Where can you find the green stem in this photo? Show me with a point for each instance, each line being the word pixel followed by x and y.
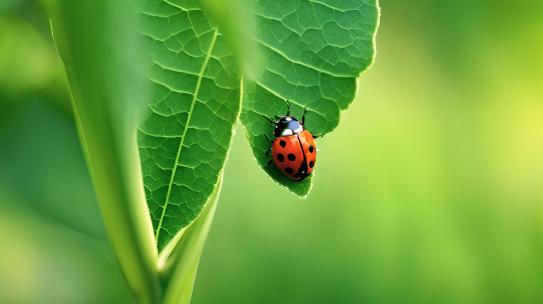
pixel 181 268
pixel 99 48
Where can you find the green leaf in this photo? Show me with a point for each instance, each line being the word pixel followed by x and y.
pixel 195 104
pixel 101 52
pixel 315 50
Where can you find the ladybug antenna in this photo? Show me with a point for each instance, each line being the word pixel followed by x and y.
pixel 288 107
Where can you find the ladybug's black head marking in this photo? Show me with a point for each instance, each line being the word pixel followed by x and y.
pixel 286 126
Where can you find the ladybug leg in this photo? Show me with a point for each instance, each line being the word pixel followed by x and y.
pixel 268 152
pixel 273 122
pixel 303 116
pixel 318 136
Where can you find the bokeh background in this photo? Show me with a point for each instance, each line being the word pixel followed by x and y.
pixel 429 191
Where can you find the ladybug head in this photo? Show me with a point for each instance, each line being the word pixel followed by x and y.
pixel 287 126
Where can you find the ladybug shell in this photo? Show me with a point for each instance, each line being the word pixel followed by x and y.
pixel 295 155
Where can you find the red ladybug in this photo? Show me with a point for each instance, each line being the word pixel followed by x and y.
pixel 293 151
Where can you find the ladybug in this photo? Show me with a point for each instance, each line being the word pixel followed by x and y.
pixel 293 151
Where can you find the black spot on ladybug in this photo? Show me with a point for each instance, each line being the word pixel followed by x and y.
pixel 291 157
pixel 280 157
pixel 302 172
pixel 303 168
pixel 311 164
pixel 311 148
pixel 289 170
pixel 282 143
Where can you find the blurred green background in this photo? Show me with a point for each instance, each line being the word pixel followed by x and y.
pixel 430 190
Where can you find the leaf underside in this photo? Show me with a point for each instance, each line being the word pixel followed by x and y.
pixel 195 104
pixel 314 51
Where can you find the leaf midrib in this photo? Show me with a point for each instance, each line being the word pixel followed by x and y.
pixel 181 143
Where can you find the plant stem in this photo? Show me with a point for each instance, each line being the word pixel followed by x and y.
pixel 179 272
pixel 100 50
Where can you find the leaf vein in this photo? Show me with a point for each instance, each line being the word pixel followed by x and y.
pixel 181 144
